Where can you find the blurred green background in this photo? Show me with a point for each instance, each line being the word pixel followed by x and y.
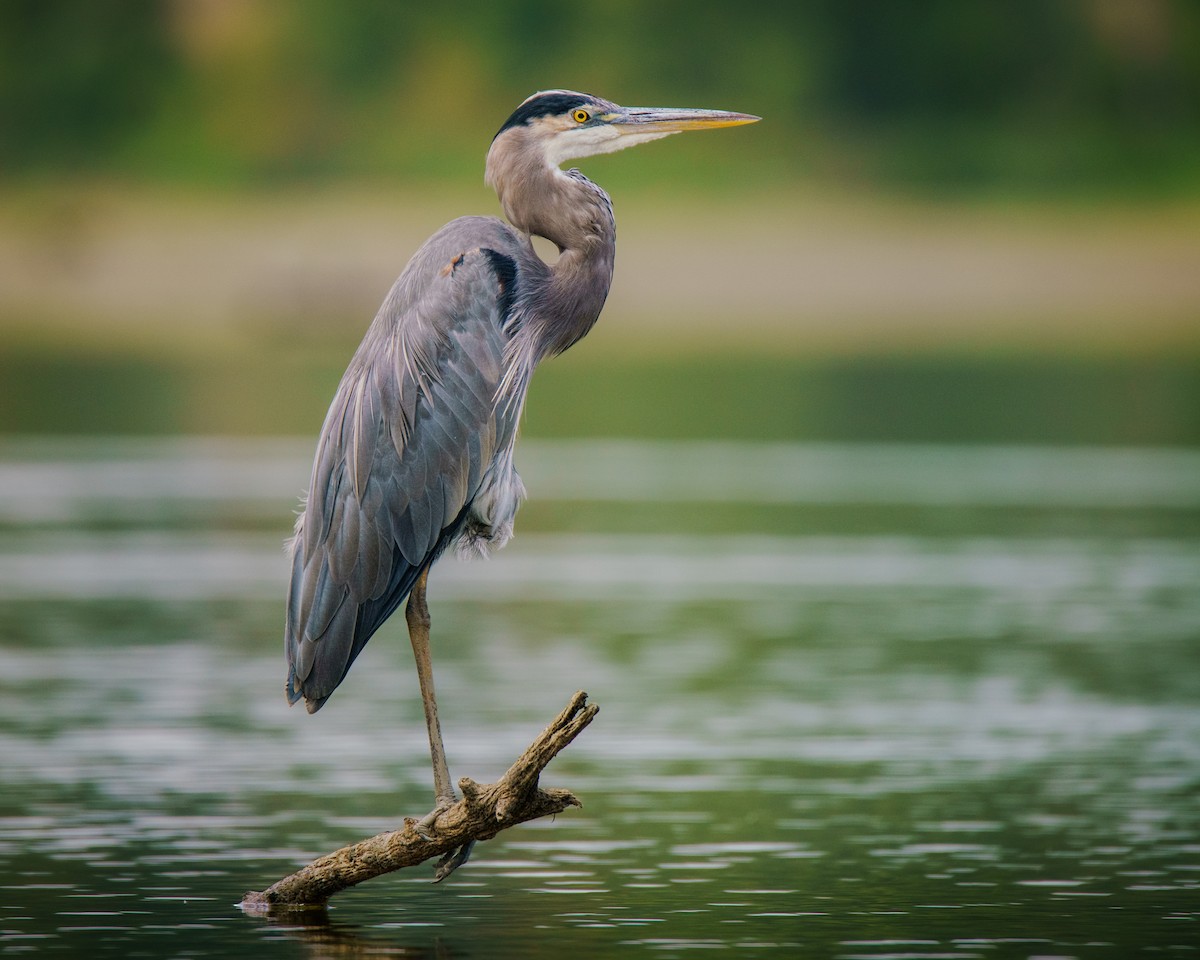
pixel 959 220
pixel 938 695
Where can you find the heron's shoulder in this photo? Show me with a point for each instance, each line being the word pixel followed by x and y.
pixel 464 249
pixel 477 230
pixel 467 234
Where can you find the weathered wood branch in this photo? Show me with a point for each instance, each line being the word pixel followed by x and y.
pixel 483 811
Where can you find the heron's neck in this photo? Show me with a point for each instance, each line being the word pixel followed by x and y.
pixel 575 215
pixel 581 276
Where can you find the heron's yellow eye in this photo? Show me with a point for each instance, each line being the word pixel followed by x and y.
pixel 581 116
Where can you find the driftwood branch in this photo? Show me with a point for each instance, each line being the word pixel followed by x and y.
pixel 483 811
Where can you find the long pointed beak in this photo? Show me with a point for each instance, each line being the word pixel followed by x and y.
pixel 660 121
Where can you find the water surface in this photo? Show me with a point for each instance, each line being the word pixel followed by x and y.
pixel 856 701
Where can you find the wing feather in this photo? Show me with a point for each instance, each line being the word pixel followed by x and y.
pixel 410 435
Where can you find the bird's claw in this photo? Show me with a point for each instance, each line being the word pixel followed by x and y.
pixel 426 829
pixel 452 861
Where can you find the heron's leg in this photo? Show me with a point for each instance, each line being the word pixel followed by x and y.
pixel 417 615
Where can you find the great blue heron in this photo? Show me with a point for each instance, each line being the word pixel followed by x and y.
pixel 416 452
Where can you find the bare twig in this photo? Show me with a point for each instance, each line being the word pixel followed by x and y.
pixel 483 811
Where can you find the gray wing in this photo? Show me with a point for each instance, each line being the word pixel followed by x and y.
pixel 411 432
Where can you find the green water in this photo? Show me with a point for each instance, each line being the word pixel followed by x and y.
pixel 857 700
pixel 284 387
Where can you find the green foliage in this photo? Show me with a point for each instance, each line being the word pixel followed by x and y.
pixel 1026 94
pixel 76 79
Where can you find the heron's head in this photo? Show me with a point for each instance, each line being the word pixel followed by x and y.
pixel 559 125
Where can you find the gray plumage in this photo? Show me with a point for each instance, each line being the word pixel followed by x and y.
pixel 416 452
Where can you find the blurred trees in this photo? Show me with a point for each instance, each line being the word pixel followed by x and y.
pixel 1015 94
pixel 76 79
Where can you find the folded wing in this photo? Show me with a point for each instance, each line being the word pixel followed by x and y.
pixel 411 433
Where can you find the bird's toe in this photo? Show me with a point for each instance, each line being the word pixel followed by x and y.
pixel 426 827
pixel 452 861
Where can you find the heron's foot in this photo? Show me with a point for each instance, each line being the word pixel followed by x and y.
pixel 452 861
pixel 426 827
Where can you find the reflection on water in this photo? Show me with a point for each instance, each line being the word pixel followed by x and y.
pixel 959 717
